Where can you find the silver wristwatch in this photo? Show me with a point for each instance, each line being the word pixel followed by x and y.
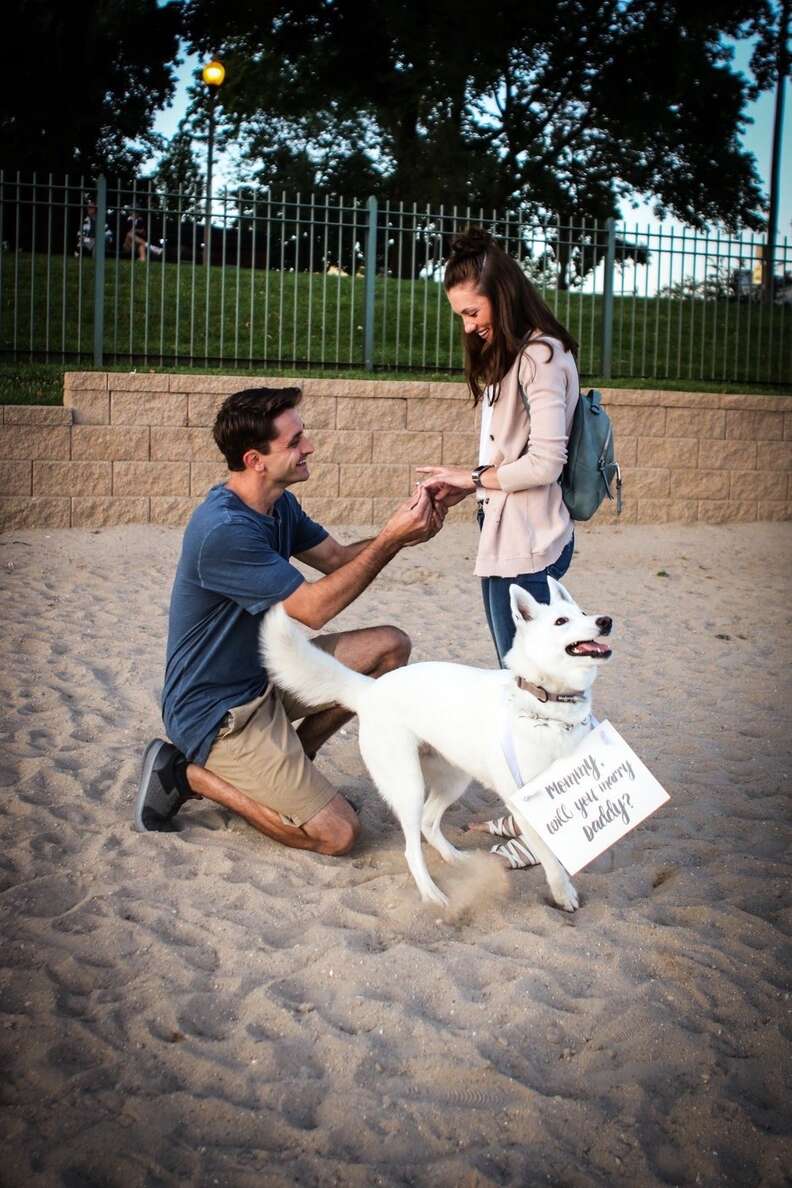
pixel 477 473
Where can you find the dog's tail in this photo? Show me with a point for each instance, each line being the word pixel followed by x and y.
pixel 295 665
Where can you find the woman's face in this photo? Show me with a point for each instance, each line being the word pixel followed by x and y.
pixel 473 308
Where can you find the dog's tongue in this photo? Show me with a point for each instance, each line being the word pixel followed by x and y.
pixel 590 647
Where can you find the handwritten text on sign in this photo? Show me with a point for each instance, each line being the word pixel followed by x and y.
pixel 582 804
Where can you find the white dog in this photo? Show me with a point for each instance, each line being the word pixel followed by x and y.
pixel 436 725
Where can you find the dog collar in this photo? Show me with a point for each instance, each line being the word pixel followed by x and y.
pixel 507 732
pixel 541 694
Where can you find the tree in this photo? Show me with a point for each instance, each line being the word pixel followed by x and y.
pixel 562 108
pixel 323 151
pixel 83 81
pixel 598 99
pixel 178 174
pixel 316 65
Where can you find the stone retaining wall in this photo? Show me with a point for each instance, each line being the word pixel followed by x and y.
pixel 137 448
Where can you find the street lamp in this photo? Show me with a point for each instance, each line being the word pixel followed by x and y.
pixel 212 74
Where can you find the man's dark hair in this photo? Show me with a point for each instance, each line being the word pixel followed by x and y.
pixel 246 421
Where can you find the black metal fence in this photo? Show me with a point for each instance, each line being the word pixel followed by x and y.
pixel 105 272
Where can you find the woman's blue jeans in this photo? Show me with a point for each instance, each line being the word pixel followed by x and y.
pixel 497 607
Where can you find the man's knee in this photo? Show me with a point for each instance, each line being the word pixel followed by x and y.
pixel 341 838
pixel 335 828
pixel 396 648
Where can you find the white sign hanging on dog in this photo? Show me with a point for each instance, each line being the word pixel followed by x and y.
pixel 581 804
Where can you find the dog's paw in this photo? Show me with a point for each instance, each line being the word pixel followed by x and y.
pixel 433 894
pixel 566 896
pixel 453 855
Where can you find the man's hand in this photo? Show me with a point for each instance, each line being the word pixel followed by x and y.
pixel 316 603
pixel 443 494
pixel 417 520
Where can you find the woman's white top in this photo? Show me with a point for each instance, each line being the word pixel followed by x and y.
pixel 485 440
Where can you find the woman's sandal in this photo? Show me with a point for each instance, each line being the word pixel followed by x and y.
pixel 516 854
pixel 502 827
pixel 515 851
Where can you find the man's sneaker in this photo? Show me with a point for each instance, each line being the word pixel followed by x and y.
pixel 163 787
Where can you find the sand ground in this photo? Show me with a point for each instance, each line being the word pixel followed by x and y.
pixel 208 1008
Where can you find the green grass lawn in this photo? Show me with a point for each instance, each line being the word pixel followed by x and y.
pixel 160 317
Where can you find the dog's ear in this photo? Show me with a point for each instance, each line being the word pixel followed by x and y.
pixel 523 606
pixel 558 593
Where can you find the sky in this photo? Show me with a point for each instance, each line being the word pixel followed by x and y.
pixel 757 138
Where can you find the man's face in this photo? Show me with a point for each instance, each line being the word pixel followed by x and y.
pixel 287 460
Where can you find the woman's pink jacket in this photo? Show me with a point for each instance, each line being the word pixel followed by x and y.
pixel 526 525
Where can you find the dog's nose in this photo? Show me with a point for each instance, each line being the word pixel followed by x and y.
pixel 605 624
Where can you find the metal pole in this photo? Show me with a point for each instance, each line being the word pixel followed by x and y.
pixel 371 272
pixel 99 269
pixel 782 68
pixel 607 301
pixel 207 257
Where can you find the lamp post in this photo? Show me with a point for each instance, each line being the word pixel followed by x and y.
pixel 212 74
pixel 782 72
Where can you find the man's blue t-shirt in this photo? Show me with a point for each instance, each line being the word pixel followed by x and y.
pixel 234 565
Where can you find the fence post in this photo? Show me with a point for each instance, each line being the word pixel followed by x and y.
pixel 371 273
pixel 99 269
pixel 607 301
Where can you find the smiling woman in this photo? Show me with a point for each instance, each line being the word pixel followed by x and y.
pixel 473 308
pixel 520 364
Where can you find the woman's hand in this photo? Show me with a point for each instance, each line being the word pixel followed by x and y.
pixel 458 477
pixel 447 485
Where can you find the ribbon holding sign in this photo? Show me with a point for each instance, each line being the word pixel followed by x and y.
pixel 585 802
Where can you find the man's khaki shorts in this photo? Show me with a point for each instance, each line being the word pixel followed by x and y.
pixel 257 751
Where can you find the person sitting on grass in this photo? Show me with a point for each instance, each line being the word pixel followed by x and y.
pixel 232 738
pixel 135 241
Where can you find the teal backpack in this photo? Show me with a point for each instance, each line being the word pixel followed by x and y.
pixel 591 466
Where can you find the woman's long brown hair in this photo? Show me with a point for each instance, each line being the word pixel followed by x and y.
pixel 517 309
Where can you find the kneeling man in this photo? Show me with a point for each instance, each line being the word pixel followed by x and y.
pixel 233 741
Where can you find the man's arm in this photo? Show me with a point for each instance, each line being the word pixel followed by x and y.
pixel 316 603
pixel 329 555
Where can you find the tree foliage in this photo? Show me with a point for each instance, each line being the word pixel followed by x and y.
pixel 178 174
pixel 565 108
pixel 768 23
pixel 82 80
